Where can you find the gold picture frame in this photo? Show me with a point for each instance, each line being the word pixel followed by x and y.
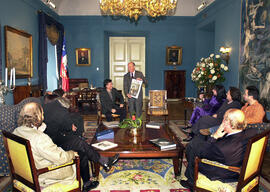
pixel 18 52
pixel 174 55
pixel 83 56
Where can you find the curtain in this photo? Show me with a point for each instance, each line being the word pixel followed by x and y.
pixel 44 20
pixel 1 53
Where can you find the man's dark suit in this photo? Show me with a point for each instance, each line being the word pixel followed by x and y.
pixel 208 121
pixel 59 128
pixel 228 150
pixel 134 105
pixel 109 103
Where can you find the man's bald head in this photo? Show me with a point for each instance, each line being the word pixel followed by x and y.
pixel 236 118
pixel 31 115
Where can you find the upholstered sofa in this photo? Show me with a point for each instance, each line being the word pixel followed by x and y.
pixel 8 121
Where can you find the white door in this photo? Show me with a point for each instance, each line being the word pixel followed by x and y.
pixel 122 51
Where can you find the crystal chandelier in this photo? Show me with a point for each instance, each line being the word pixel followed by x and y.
pixel 135 8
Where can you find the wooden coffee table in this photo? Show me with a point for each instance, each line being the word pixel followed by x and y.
pixel 140 147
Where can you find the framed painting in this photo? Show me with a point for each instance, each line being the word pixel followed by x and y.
pixel 83 56
pixel 174 55
pixel 18 45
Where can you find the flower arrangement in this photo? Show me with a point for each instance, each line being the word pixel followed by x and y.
pixel 209 71
pixel 131 123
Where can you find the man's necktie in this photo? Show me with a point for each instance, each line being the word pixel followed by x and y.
pixel 132 76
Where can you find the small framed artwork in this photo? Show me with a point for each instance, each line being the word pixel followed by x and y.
pixel 174 55
pixel 83 56
pixel 18 45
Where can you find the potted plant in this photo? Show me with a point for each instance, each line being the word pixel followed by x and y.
pixel 208 72
pixel 133 124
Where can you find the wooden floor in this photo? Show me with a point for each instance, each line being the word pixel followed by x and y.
pixel 175 108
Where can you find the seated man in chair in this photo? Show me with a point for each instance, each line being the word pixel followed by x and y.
pixel 108 98
pixel 226 146
pixel 45 152
pixel 61 129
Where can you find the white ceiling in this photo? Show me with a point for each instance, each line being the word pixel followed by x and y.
pixel 91 7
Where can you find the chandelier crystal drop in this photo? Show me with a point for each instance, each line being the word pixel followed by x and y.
pixel 135 8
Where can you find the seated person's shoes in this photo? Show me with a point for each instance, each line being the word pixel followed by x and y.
pixel 205 132
pixel 112 160
pixel 187 184
pixel 89 185
pixel 188 139
pixel 186 127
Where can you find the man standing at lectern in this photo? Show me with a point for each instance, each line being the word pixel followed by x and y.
pixel 134 105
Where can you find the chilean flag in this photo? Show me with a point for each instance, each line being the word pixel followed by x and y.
pixel 63 69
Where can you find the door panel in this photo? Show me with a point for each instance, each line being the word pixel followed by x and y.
pixel 119 51
pixel 122 51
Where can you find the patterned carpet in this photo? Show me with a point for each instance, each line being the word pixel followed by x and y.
pixel 142 175
pixel 146 175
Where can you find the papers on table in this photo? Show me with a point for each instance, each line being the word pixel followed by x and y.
pixel 104 145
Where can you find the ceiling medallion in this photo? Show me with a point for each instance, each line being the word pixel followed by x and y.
pixel 135 8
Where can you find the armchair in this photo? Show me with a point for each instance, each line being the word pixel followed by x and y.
pixel 157 105
pixel 249 173
pixel 24 172
pixel 100 115
pixel 8 122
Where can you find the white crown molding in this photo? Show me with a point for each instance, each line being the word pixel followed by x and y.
pixel 91 7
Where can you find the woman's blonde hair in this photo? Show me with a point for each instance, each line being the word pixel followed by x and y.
pixel 31 115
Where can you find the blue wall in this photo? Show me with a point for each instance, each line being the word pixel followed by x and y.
pixel 22 15
pixel 93 32
pixel 226 18
pixel 217 25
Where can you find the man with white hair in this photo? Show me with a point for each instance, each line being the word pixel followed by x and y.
pixel 227 146
pixel 134 105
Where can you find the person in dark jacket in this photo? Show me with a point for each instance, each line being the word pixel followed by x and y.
pixel 61 129
pixel 233 101
pixel 226 146
pixel 108 98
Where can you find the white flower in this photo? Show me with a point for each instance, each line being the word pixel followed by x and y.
pixel 222 66
pixel 203 65
pixel 217 56
pixel 202 72
pixel 226 68
pixel 214 78
pixel 211 64
pixel 198 63
pixel 199 75
pixel 212 55
pixel 212 71
pixel 202 59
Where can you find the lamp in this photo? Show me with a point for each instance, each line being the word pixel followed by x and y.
pixel 50 3
pixel 135 8
pixel 201 6
pixel 225 53
pixel 4 88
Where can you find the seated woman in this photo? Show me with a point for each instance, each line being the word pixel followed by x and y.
pixel 210 106
pixel 233 101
